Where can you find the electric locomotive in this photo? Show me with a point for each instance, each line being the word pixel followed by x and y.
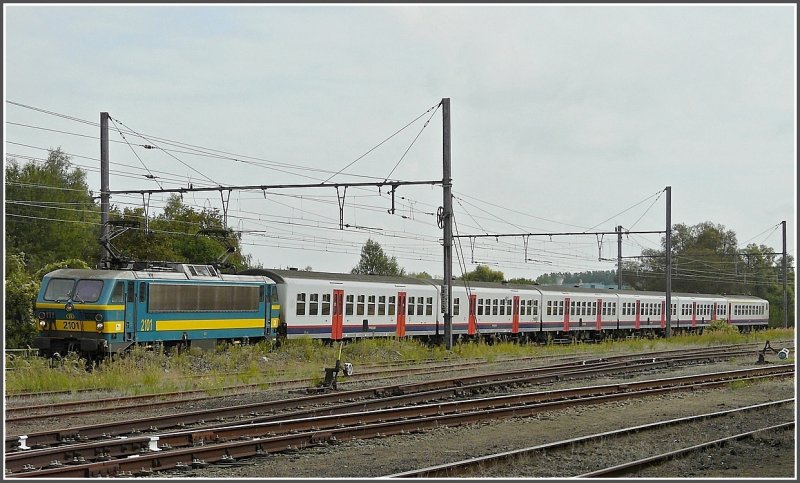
pixel 102 312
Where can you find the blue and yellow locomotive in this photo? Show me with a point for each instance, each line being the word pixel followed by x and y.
pixel 102 312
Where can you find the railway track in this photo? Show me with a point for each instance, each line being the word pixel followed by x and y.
pixel 20 411
pixel 427 391
pixel 512 460
pixel 21 398
pixel 143 455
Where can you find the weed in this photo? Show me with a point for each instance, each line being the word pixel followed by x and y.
pixel 151 370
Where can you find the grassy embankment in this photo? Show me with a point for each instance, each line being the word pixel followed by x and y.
pixel 142 372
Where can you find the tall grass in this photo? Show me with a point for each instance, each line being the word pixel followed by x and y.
pixel 146 371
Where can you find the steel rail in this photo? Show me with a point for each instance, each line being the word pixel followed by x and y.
pixel 627 468
pixel 426 390
pixel 457 468
pixel 260 439
pixel 158 399
pixel 10 396
pixel 363 416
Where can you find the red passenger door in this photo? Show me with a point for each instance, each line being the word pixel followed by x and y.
pixel 472 323
pixel 401 314
pixel 599 323
pixel 566 313
pixel 336 320
pixel 694 314
pixel 515 316
pixel 663 313
pixel 638 322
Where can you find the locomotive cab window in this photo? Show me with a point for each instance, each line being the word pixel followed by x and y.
pixel 88 290
pixel 118 295
pixel 58 289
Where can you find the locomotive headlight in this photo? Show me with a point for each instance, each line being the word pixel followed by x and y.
pixel 99 326
pixel 41 315
pixel 42 323
pixel 98 317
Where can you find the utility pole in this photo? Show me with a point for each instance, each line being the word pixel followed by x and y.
pixel 619 257
pixel 447 222
pixel 669 261
pixel 104 192
pixel 785 275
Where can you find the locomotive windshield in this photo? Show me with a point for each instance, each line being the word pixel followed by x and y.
pixel 88 290
pixel 58 289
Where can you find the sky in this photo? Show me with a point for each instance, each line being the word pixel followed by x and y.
pixel 564 118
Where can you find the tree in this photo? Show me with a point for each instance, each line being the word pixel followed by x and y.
pixel 607 277
pixel 523 281
pixel 50 212
pixel 483 273
pixel 20 295
pixel 705 259
pixel 375 262
pixel 422 275
pixel 180 234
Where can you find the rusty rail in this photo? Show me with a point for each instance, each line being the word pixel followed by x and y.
pixel 329 428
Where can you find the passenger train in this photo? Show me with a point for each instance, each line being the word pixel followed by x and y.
pixel 101 312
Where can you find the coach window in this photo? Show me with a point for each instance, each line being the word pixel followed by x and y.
pixel 429 306
pixel 549 308
pixel 495 306
pixel 502 307
pixel 326 304
pixel 572 308
pixel 391 305
pixel 360 305
pixel 456 306
pixel 509 307
pixel 371 305
pixel 313 304
pixel 382 305
pixel 411 301
pixel 420 305
pixel 348 306
pixel 535 307
pixel 560 307
pixel 480 306
pixel 301 304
